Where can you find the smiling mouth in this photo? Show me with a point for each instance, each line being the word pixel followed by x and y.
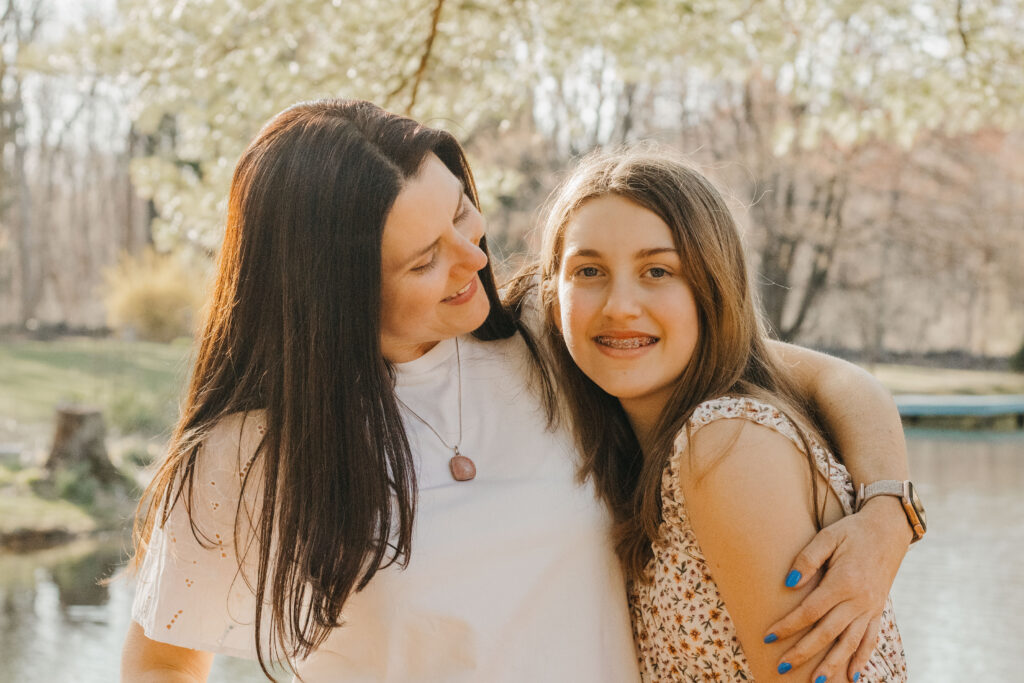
pixel 460 292
pixel 626 342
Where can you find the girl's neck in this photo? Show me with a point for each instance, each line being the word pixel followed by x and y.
pixel 643 415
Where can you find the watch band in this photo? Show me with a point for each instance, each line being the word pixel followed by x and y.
pixel 884 487
pixel 904 490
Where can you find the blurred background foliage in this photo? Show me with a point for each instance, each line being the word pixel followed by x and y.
pixel 871 151
pixel 152 296
pixel 870 148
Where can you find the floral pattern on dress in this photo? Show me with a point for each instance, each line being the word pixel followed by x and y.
pixel 682 629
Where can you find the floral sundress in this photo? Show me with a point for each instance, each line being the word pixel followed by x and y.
pixel 682 628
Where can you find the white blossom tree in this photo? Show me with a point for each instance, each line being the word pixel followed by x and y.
pixel 839 75
pixel 220 68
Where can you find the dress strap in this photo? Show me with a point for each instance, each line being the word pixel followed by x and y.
pixel 766 415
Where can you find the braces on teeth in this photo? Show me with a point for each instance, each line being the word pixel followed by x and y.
pixel 630 343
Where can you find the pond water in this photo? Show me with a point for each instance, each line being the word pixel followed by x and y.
pixel 959 597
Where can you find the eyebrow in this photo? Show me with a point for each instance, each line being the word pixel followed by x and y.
pixel 422 252
pixel 643 253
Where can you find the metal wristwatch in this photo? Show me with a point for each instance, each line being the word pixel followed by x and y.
pixel 905 491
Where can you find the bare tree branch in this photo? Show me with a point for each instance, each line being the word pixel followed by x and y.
pixel 418 78
pixel 961 26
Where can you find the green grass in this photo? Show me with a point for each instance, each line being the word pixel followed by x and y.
pixel 23 510
pixel 912 379
pixel 32 500
pixel 136 384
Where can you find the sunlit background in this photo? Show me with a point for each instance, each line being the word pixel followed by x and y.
pixel 871 151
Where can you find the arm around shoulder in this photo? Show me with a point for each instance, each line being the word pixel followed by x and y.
pixel 147 661
pixel 859 412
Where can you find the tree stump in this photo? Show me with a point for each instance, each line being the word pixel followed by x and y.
pixel 78 444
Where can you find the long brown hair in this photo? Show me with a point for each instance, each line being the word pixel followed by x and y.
pixel 294 329
pixel 730 356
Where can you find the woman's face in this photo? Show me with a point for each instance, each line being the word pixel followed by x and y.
pixel 625 307
pixel 431 253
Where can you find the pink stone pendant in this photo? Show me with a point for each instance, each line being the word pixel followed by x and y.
pixel 462 467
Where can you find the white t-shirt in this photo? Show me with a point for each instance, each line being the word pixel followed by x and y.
pixel 512 575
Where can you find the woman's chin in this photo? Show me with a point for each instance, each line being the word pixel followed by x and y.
pixel 481 309
pixel 478 321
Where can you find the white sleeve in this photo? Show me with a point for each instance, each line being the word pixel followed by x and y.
pixel 194 593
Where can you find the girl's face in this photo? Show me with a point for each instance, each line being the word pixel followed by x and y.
pixel 430 289
pixel 625 307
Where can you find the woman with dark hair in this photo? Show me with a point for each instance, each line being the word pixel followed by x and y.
pixel 698 438
pixel 368 481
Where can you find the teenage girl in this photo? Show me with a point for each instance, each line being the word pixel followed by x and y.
pixel 716 470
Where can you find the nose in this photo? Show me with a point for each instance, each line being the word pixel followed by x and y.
pixel 621 301
pixel 471 255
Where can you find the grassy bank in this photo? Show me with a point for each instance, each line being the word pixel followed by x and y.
pixel 38 510
pixel 912 379
pixel 137 385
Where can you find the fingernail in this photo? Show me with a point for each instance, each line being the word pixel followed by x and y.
pixel 821 679
pixel 784 667
pixel 793 578
pixel 856 677
pixel 770 638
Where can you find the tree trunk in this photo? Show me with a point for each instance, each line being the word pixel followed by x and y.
pixel 79 439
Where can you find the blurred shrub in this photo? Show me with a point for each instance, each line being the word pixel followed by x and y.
pixel 1017 360
pixel 135 412
pixel 76 484
pixel 138 457
pixel 152 296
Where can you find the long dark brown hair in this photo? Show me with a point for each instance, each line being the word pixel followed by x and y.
pixel 730 356
pixel 294 329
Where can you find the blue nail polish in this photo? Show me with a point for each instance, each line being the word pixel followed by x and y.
pixel 784 667
pixel 770 638
pixel 793 578
pixel 856 677
pixel 821 679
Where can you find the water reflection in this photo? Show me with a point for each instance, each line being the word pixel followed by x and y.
pixel 959 597
pixel 960 594
pixel 51 605
pixel 57 623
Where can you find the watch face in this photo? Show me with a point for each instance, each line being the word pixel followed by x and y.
pixel 918 507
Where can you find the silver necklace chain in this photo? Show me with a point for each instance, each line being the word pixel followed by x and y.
pixel 455 448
